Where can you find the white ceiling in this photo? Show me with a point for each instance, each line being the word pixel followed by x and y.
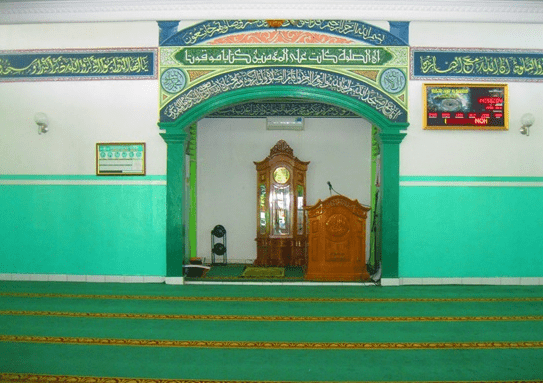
pixel 51 11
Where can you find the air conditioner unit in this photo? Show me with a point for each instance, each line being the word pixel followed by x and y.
pixel 285 123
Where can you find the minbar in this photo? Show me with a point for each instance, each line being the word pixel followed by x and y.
pixel 337 240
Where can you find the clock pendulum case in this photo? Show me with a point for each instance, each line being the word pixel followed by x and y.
pixel 281 232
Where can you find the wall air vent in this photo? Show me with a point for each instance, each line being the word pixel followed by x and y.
pixel 285 123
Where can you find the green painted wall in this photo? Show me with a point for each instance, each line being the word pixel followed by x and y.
pixel 193 233
pixel 471 231
pixel 83 229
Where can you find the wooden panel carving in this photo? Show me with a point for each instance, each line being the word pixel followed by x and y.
pixel 337 240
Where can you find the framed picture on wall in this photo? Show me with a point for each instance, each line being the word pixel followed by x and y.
pixel 120 159
pixel 465 106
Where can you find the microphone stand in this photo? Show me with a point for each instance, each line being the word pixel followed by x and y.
pixel 331 188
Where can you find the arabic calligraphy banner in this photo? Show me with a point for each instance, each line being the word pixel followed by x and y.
pixel 293 109
pixel 283 56
pixel 285 76
pixel 475 64
pixel 115 64
pixel 350 58
pixel 356 30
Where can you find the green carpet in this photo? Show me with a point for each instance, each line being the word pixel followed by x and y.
pixel 87 332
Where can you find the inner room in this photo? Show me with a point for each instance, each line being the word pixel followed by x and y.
pixel 338 149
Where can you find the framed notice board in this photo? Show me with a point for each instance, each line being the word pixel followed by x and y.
pixel 465 106
pixel 120 159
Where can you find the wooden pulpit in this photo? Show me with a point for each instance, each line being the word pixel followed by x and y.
pixel 337 240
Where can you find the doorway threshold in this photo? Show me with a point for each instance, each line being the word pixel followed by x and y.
pixel 279 283
pixel 235 274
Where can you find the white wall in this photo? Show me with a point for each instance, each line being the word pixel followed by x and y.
pixel 79 35
pixel 339 151
pixel 81 113
pixel 476 153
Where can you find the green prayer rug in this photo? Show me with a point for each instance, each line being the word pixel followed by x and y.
pixel 263 272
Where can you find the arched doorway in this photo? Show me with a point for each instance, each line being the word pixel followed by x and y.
pixel 371 93
pixel 176 136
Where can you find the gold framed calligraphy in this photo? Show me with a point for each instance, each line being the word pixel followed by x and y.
pixel 120 159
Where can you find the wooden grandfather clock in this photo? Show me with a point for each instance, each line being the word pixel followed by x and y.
pixel 280 194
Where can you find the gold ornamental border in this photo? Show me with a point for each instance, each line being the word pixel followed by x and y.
pixel 264 345
pixel 41 378
pixel 266 299
pixel 275 318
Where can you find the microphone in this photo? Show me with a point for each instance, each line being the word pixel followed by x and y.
pixel 331 188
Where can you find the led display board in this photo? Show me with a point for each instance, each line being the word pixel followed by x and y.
pixel 465 106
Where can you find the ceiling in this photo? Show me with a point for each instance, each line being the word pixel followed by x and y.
pixel 55 11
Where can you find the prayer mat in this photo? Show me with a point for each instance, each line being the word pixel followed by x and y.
pixel 263 272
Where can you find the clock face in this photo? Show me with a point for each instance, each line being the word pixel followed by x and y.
pixel 281 175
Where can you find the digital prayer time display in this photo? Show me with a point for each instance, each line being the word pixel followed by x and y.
pixel 465 106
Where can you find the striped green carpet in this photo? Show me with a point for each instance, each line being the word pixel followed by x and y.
pixel 77 332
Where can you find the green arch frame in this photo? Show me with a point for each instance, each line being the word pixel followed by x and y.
pixel 176 136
